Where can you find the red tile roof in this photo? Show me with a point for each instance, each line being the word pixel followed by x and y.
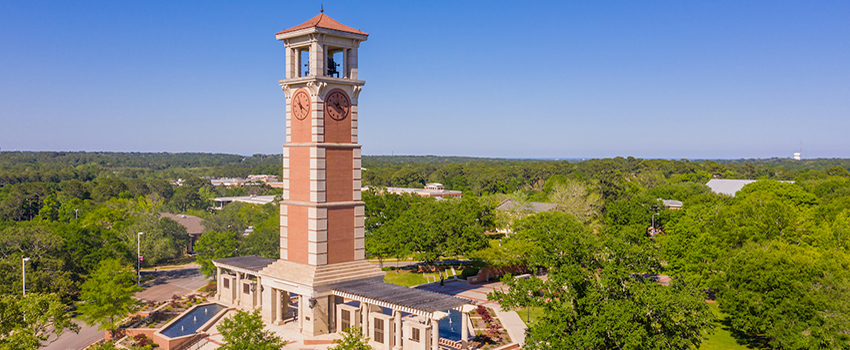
pixel 323 21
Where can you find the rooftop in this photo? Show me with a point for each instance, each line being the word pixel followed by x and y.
pixel 672 203
pixel 323 21
pixel 193 224
pixel 730 187
pixel 250 263
pixel 415 299
pixel 246 199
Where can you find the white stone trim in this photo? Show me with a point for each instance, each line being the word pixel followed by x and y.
pixel 317 235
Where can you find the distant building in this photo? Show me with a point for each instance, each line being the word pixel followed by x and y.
pixel 220 202
pixel 730 187
pixel 433 190
pixel 530 207
pixel 251 180
pixel 797 156
pixel 193 224
pixel 672 204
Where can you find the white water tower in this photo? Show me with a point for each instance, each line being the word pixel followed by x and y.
pixel 797 156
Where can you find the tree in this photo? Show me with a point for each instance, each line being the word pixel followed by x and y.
pixel 214 245
pixel 789 296
pixel 245 331
pixel 434 229
pixel 108 188
pixel 175 230
pixel 352 339
pixel 265 240
pixel 575 198
pixel 594 296
pixel 47 270
pixel 107 296
pixel 26 322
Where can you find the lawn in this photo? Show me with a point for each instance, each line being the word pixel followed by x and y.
pixel 722 338
pixel 534 314
pixel 404 278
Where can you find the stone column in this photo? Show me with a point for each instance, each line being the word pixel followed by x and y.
pixel 301 301
pixel 352 57
pixel 259 287
pixel 237 289
pixel 435 334
pixel 345 62
pixel 317 59
pixel 464 330
pixel 397 319
pixel 268 309
pixel 364 323
pixel 283 305
pixel 218 283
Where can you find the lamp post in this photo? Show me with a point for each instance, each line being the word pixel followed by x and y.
pixel 24 270
pixel 75 214
pixel 139 258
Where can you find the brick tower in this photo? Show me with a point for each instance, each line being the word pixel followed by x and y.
pixel 321 214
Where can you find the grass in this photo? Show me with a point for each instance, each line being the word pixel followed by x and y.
pixel 534 314
pixel 404 278
pixel 722 338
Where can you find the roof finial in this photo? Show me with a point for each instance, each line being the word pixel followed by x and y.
pixel 322 8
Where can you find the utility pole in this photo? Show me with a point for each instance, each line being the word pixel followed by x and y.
pixel 24 270
pixel 139 258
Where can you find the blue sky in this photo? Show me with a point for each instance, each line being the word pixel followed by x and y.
pixel 577 79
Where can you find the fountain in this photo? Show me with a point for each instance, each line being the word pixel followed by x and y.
pixel 447 329
pixel 190 322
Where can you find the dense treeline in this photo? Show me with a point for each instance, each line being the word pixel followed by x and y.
pixel 50 167
pixel 614 176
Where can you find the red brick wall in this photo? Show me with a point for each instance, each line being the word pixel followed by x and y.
pixel 297 232
pixel 340 175
pixel 299 174
pixel 340 235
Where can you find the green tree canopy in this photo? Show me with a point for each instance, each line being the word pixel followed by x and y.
pixel 792 297
pixel 26 322
pixel 214 245
pixel 352 339
pixel 107 295
pixel 245 331
pixel 595 296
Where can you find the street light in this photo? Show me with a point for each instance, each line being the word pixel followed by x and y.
pixel 24 269
pixel 653 222
pixel 75 214
pixel 139 257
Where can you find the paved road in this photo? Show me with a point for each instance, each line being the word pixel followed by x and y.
pixel 170 282
pixel 180 281
pixel 72 341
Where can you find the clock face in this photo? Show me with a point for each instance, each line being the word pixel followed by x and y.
pixel 301 104
pixel 337 105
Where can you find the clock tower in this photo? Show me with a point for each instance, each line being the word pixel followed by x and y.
pixel 321 214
